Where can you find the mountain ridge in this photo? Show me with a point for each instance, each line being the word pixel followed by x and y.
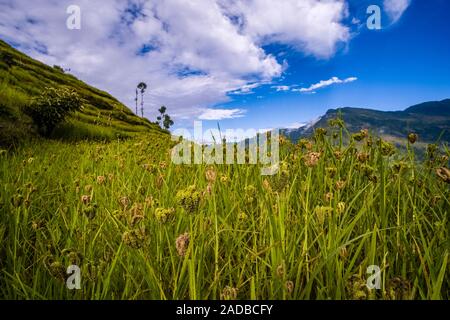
pixel 430 120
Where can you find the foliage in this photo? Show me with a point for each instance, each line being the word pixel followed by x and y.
pixel 58 68
pixel 52 107
pixel 308 232
pixel 25 79
pixel 164 120
pixel 7 58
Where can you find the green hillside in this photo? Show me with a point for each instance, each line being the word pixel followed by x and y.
pixel 22 78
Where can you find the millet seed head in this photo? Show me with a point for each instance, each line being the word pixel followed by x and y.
pixel 182 244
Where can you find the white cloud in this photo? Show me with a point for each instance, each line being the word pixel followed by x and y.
pixel 247 89
pixel 220 114
pixel 281 88
pixel 313 27
pixel 396 8
pixel 325 83
pixel 198 51
pixel 295 125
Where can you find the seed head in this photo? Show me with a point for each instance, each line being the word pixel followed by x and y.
pixel 101 180
pixel 189 199
pixel 90 211
pixel 338 154
pixel 159 181
pixel 164 215
pixel 124 202
pixel 86 199
pixel 163 165
pixel 266 185
pixel 289 286
pixel 311 159
pixel 182 244
pixel 242 216
pixel 363 156
pixel 229 293
pixel 412 138
pixel 387 148
pixel 57 270
pixel 280 271
pixel 398 288
pixel 340 208
pixel 210 175
pixel 250 194
pixel 340 184
pixel 134 238
pixel 343 253
pixel 444 174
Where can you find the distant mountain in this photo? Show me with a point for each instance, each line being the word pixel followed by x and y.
pixel 430 120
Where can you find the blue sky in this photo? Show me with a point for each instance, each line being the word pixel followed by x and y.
pixel 398 66
pixel 244 63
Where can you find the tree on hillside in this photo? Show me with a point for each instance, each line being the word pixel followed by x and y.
pixel 164 119
pixel 167 122
pixel 58 68
pixel 142 87
pixel 136 100
pixel 52 107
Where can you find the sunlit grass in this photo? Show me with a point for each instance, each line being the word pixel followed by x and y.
pixel 142 228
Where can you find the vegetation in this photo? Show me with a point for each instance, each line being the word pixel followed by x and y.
pixel 52 107
pixel 140 227
pixel 430 120
pixel 142 86
pixel 164 120
pixel 23 79
pixel 104 195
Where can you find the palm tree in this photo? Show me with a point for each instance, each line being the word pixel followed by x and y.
pixel 136 100
pixel 142 86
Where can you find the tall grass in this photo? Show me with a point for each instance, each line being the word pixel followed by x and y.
pixel 138 229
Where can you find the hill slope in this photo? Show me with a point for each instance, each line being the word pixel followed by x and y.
pixel 22 78
pixel 430 120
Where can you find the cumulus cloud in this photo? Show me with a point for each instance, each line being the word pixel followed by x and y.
pixel 395 8
pixel 220 114
pixel 313 27
pixel 192 54
pixel 325 83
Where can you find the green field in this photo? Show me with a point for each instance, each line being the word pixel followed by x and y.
pixel 140 227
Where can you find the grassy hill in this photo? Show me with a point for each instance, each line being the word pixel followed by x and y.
pixel 22 78
pixel 430 120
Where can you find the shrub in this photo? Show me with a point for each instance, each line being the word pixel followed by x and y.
pixel 52 107
pixel 58 68
pixel 7 58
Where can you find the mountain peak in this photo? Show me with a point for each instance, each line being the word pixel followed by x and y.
pixel 431 108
